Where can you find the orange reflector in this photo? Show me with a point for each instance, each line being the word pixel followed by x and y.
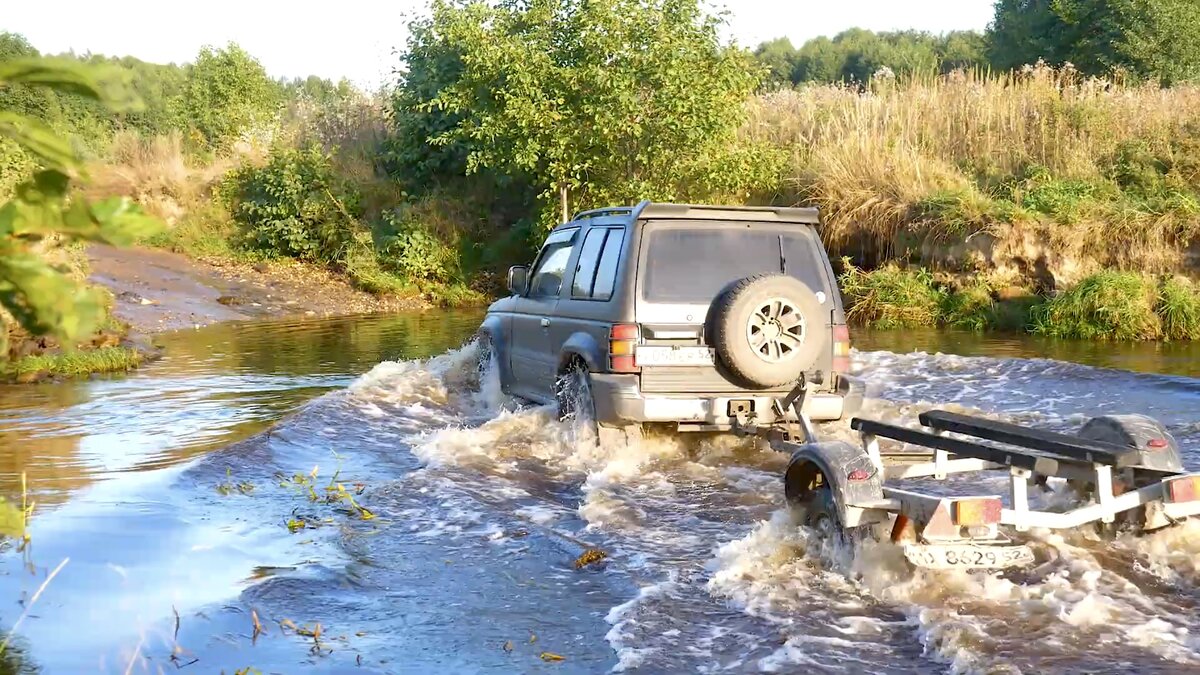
pixel 625 331
pixel 977 511
pixel 621 347
pixel 623 364
pixel 1184 489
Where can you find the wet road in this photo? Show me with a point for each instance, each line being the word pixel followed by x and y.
pixel 200 497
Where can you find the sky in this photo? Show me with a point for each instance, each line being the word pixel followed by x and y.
pixel 357 38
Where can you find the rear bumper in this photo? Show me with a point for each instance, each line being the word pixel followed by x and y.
pixel 620 402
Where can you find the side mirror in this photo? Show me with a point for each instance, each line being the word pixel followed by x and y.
pixel 518 279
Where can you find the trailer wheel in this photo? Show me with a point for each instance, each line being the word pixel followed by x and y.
pixel 805 487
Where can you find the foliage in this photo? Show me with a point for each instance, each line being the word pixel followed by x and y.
pixel 410 249
pixel 228 92
pixel 1178 306
pixel 890 297
pixel 614 101
pixel 41 298
pixel 972 308
pixel 72 364
pixel 1106 306
pixel 296 204
pixel 856 55
pixel 1155 39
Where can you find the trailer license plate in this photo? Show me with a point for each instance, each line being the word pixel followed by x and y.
pixel 674 356
pixel 967 556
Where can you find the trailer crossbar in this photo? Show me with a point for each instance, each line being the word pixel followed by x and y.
pixel 1072 447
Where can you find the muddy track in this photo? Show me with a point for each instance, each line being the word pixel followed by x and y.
pixel 158 290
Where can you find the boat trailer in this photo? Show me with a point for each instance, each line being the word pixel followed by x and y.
pixel 1126 472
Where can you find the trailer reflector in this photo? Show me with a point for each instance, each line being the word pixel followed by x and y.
pixel 984 511
pixel 1183 489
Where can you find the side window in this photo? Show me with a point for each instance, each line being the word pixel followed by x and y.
pixel 589 255
pixel 552 265
pixel 606 271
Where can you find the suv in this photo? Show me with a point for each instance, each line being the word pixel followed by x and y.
pixel 701 317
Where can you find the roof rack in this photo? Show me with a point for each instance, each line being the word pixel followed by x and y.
pixel 646 208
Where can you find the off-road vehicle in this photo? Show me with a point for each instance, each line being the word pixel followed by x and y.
pixel 705 318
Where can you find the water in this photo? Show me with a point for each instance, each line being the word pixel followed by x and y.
pixel 170 493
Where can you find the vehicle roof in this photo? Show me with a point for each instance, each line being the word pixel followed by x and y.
pixel 663 211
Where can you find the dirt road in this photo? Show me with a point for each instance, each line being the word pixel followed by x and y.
pixel 158 290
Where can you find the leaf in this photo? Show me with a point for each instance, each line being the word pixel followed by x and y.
pixel 36 137
pixel 63 75
pixel 551 656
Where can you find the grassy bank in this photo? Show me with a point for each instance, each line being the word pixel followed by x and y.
pixel 1105 306
pixel 72 364
pixel 1090 168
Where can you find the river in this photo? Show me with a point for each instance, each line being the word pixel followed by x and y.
pixel 198 498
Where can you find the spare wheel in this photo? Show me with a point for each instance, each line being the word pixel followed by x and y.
pixel 768 329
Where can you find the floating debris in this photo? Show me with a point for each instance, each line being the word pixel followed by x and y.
pixel 551 656
pixel 508 646
pixel 590 557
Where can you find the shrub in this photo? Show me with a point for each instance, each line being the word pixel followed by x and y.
pixel 412 250
pixel 1107 306
pixel 891 297
pixel 296 205
pixel 1178 307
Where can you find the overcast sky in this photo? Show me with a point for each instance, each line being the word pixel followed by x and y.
pixel 356 38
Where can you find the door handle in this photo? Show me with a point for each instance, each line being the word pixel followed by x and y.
pixel 545 323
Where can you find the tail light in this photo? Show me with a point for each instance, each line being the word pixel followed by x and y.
pixel 841 349
pixel 984 511
pixel 622 347
pixel 1183 489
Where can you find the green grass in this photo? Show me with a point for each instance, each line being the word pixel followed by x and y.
pixel 1178 308
pixel 1105 306
pixel 206 233
pixel 891 297
pixel 73 364
pixel 972 308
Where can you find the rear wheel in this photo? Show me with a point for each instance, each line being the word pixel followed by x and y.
pixel 805 488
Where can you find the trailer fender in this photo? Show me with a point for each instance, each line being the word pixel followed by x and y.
pixel 848 471
pixel 1156 447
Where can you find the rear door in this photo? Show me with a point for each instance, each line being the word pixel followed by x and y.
pixel 534 358
pixel 586 308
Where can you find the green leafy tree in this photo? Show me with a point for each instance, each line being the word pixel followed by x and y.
pixel 855 55
pixel 1154 39
pixel 612 101
pixel 227 92
pixel 779 58
pixel 42 299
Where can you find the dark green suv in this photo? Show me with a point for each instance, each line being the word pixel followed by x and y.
pixel 702 317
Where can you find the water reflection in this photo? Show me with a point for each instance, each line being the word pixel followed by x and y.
pixel 214 386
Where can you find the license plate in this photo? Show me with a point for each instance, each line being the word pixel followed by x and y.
pixel 674 356
pixel 967 556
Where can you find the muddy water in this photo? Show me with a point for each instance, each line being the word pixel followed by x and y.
pixel 200 495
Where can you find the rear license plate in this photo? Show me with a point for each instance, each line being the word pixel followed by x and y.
pixel 674 356
pixel 967 556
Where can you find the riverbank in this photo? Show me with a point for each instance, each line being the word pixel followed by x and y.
pixel 155 290
pixel 1109 305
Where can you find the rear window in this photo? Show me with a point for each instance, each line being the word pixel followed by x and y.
pixel 693 265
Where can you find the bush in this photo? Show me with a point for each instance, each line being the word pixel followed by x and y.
pixel 1178 307
pixel 1105 306
pixel 411 250
pixel 296 205
pixel 891 297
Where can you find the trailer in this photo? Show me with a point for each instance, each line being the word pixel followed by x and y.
pixel 1125 472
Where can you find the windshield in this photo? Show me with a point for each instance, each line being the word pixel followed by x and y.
pixel 693 264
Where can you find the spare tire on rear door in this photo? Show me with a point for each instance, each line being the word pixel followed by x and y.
pixel 768 329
